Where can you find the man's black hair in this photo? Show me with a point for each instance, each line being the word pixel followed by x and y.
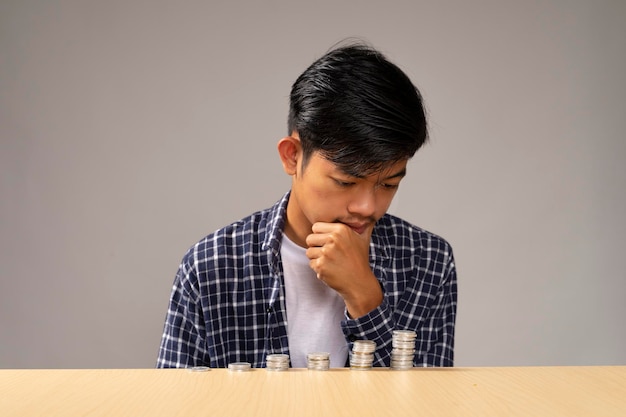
pixel 358 110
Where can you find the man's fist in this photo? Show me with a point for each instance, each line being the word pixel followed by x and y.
pixel 339 254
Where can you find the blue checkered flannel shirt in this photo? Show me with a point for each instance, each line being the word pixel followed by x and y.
pixel 228 299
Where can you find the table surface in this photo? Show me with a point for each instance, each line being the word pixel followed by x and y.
pixel 511 391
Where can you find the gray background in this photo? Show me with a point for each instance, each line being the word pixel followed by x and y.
pixel 131 129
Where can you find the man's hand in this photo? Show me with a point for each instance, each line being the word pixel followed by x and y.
pixel 340 257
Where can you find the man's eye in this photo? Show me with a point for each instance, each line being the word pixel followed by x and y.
pixel 389 186
pixel 343 183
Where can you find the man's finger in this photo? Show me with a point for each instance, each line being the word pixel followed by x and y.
pixel 316 239
pixel 313 252
pixel 323 227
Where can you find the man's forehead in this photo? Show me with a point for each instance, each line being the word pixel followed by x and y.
pixel 387 170
pixel 362 169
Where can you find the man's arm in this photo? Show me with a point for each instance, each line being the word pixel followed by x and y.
pixel 435 346
pixel 426 305
pixel 182 343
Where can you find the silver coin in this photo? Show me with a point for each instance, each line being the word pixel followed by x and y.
pixel 278 357
pixel 318 356
pixel 364 346
pixel 404 334
pixel 360 365
pixel 199 369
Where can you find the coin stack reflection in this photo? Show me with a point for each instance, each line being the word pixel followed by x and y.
pixel 362 356
pixel 318 361
pixel 277 362
pixel 403 352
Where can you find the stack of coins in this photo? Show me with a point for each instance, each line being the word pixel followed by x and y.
pixel 239 366
pixel 403 352
pixel 318 361
pixel 362 356
pixel 277 362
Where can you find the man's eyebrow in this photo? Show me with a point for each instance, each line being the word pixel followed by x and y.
pixel 398 174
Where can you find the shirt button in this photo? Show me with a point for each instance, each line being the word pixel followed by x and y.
pixel 352 338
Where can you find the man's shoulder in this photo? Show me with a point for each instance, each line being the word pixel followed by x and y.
pixel 252 223
pixel 251 226
pixel 256 228
pixel 402 233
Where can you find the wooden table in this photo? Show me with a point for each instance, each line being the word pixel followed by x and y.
pixel 514 391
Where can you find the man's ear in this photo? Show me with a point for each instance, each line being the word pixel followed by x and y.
pixel 290 152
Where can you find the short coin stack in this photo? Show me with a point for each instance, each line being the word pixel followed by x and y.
pixel 362 356
pixel 277 362
pixel 199 369
pixel 318 361
pixel 239 367
pixel 403 352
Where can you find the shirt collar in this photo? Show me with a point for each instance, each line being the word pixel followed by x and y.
pixel 276 225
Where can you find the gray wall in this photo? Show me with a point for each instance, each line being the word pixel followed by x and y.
pixel 131 129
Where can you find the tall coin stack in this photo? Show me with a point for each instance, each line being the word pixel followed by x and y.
pixel 318 361
pixel 277 362
pixel 403 352
pixel 362 356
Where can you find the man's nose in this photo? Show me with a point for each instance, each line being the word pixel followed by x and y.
pixel 363 203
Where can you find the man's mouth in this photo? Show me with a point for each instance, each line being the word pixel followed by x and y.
pixel 357 227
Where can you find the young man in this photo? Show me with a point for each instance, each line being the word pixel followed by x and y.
pixel 326 265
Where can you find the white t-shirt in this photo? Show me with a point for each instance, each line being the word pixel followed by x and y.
pixel 314 311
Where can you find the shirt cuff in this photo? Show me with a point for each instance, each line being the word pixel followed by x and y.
pixel 376 325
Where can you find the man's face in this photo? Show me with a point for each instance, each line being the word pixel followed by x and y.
pixel 321 192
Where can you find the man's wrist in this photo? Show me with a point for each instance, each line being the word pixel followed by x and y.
pixel 364 301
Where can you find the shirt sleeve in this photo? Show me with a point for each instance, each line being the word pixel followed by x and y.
pixel 431 315
pixel 182 343
pixel 435 347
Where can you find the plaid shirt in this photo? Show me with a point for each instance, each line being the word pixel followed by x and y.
pixel 228 299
